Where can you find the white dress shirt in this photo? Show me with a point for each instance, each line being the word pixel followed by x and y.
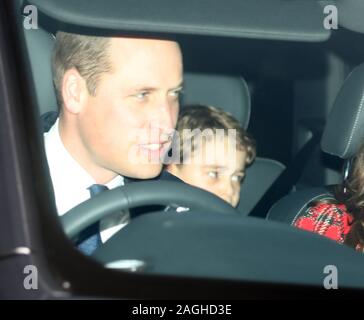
pixel 71 182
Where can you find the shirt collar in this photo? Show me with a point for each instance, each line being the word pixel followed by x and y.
pixel 70 180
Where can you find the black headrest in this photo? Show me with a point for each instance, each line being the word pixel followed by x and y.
pixel 344 131
pixel 351 14
pixel 40 44
pixel 230 93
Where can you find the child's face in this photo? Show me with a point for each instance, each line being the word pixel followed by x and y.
pixel 221 174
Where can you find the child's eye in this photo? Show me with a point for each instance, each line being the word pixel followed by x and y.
pixel 213 174
pixel 237 178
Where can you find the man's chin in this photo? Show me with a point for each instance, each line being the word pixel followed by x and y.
pixel 146 171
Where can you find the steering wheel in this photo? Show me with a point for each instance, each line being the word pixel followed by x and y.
pixel 141 194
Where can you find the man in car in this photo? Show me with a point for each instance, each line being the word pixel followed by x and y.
pixel 109 90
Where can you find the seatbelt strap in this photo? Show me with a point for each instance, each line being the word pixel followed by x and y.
pixel 287 179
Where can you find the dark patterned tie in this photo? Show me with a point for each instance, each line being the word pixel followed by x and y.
pixel 90 237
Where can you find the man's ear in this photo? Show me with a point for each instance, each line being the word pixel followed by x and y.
pixel 74 91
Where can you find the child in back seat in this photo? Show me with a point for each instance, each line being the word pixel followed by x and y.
pixel 213 151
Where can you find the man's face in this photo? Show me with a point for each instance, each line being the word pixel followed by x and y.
pixel 221 174
pixel 135 108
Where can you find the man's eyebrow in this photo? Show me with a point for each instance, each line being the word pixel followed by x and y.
pixel 143 88
pixel 148 88
pixel 214 167
pixel 179 87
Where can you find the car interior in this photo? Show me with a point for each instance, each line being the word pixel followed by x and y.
pixel 297 87
pixel 346 114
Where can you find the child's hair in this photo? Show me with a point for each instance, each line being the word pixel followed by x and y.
pixel 194 119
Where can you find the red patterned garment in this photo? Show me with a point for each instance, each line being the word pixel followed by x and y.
pixel 330 220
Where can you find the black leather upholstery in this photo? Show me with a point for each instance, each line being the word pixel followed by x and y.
pixel 343 135
pixel 344 131
pixel 258 179
pixel 227 92
pixel 351 14
pixel 292 206
pixel 39 45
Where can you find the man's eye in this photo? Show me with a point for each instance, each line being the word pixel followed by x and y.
pixel 176 93
pixel 213 174
pixel 141 95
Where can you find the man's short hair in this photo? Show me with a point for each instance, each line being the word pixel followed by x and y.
pixel 89 55
pixel 209 118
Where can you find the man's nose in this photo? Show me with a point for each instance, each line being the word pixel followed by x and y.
pixel 167 115
pixel 162 120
